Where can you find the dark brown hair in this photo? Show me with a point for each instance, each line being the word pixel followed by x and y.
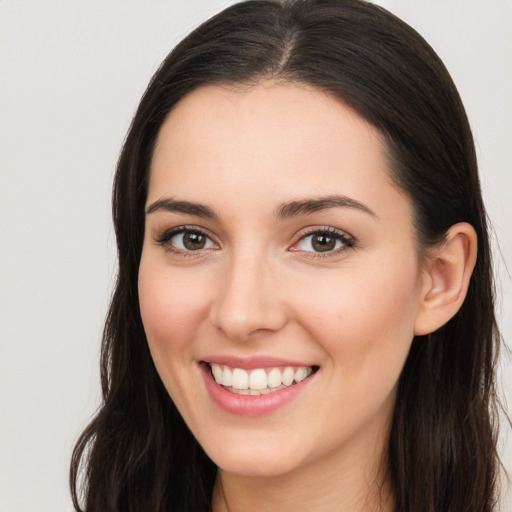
pixel 137 454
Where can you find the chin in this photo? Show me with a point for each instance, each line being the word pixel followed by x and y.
pixel 254 460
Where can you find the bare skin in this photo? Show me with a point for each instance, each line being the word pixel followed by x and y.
pixel 304 250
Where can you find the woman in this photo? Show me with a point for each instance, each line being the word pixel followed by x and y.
pixel 303 317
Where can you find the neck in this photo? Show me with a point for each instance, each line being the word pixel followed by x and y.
pixel 345 482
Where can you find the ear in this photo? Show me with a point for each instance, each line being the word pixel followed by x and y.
pixel 446 276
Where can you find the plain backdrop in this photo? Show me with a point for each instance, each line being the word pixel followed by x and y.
pixel 71 75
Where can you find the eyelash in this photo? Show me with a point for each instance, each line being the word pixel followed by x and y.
pixel 347 241
pixel 166 237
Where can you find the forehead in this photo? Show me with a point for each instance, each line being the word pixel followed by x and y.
pixel 281 141
pixel 282 116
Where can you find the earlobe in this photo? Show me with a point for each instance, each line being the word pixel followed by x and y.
pixel 446 278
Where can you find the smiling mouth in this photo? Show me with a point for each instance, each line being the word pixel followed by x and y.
pixel 259 381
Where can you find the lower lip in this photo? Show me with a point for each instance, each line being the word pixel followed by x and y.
pixel 250 405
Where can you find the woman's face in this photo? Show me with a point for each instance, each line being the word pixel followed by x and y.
pixel 277 248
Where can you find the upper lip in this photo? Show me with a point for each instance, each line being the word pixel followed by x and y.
pixel 251 363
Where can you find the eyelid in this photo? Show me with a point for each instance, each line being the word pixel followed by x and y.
pixel 348 241
pixel 165 237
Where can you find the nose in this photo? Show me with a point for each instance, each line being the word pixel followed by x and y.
pixel 248 299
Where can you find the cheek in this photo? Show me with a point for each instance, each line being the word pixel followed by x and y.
pixel 365 321
pixel 172 305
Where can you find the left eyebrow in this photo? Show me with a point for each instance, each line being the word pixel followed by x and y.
pixel 172 205
pixel 311 205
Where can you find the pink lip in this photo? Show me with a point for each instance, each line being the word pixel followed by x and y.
pixel 251 363
pixel 247 405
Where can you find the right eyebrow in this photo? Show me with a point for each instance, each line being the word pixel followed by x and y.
pixel 311 205
pixel 172 205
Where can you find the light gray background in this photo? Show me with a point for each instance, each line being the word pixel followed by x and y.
pixel 71 75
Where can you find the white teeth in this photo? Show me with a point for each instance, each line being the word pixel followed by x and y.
pixel 274 378
pixel 240 379
pixel 258 381
pixel 300 374
pixel 217 373
pixel 288 376
pixel 227 376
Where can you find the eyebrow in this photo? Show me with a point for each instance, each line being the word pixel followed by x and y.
pixel 284 211
pixel 172 205
pixel 312 205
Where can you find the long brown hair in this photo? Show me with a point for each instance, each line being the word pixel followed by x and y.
pixel 137 453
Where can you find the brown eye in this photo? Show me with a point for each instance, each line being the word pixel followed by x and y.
pixel 322 243
pixel 331 241
pixel 194 241
pixel 187 240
